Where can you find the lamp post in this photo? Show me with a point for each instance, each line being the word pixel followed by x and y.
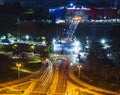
pixel 79 67
pixel 18 65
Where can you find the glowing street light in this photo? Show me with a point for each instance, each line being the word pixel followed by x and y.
pixel 103 41
pixel 27 37
pixel 79 67
pixel 18 65
pixel 71 4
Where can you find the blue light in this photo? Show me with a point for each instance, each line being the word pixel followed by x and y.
pixel 52 10
pixel 54 41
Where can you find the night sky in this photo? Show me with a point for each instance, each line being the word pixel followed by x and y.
pixel 44 1
pixel 27 2
pixel 47 2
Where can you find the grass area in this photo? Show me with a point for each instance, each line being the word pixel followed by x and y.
pixel 97 81
pixel 12 74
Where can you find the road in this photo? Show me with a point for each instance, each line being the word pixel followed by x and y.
pixel 62 80
pixel 44 81
pixel 39 82
pixel 56 79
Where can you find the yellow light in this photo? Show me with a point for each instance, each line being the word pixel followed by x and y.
pixel 18 65
pixel 32 47
pixel 79 66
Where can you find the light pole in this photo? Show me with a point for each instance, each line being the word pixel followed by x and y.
pixel 18 65
pixel 79 67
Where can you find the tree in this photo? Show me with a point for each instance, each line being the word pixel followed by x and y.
pixel 4 63
pixel 105 71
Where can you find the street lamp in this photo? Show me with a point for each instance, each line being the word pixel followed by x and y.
pixel 27 37
pixel 103 41
pixel 79 67
pixel 18 65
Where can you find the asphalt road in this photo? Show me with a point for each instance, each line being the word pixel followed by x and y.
pixel 62 80
pixel 58 80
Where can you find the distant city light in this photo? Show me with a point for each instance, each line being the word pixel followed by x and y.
pixel 75 50
pixel 53 42
pixel 27 37
pixel 3 37
pixel 103 41
pixel 60 21
pixel 71 4
pixel 106 46
pixel 76 43
pixel 43 43
pixel 43 38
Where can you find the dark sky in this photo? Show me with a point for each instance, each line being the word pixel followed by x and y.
pixel 26 1
pixel 44 2
pixel 29 2
pixel 37 2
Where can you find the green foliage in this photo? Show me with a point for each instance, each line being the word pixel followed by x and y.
pixel 104 68
pixel 15 46
pixel 31 48
pixel 44 52
pixel 51 48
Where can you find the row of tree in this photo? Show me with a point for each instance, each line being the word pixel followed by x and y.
pixel 104 68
